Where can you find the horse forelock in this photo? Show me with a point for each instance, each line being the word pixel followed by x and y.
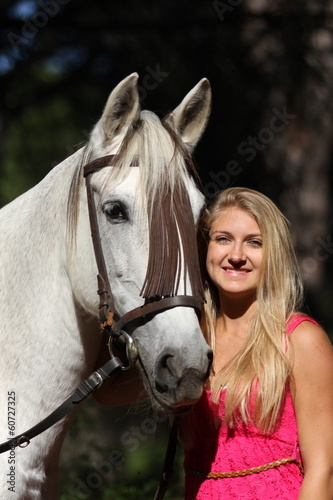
pixel 165 168
pixel 172 248
pixel 161 157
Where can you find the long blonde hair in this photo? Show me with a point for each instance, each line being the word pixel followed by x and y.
pixel 262 368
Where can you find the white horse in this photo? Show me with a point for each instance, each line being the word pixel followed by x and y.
pixel 50 337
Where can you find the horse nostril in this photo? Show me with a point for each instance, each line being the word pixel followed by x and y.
pixel 161 388
pixel 174 373
pixel 164 361
pixel 164 372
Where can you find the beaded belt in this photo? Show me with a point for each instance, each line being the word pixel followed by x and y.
pixel 245 472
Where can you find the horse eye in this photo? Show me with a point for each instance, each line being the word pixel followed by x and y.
pixel 115 212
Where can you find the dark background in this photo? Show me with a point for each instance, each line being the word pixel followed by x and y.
pixel 270 65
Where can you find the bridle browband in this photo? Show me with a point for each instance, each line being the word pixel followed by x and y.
pixel 152 306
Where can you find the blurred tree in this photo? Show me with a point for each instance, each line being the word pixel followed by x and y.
pixel 76 51
pixel 60 60
pixel 290 47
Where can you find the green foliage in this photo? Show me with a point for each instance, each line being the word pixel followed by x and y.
pixel 45 131
pixel 34 135
pixel 113 453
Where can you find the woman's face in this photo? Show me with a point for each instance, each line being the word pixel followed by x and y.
pixel 234 254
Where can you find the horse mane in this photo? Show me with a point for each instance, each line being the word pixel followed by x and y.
pixel 165 167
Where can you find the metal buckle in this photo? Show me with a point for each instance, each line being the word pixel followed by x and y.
pixel 132 352
pixel 23 442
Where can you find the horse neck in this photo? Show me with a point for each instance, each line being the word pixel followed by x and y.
pixel 34 285
pixel 39 211
pixel 32 230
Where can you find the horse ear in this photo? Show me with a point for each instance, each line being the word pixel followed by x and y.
pixel 122 106
pixel 191 116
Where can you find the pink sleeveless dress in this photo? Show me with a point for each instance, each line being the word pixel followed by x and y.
pixel 219 449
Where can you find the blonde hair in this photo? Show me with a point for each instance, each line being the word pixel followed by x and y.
pixel 260 371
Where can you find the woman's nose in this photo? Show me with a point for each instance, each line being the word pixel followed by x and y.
pixel 237 254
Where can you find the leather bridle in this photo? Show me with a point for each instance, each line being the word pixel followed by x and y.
pixel 152 306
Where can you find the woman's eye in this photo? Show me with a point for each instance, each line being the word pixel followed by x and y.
pixel 115 212
pixel 221 239
pixel 256 243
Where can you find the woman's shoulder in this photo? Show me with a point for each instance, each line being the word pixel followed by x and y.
pixel 297 319
pixel 307 334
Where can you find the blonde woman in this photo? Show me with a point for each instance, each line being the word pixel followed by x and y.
pixel 263 428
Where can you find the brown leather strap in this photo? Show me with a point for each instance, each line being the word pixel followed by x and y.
pixel 144 313
pixel 97 164
pixel 104 161
pixel 106 303
pixel 104 290
pixel 168 463
pixel 85 388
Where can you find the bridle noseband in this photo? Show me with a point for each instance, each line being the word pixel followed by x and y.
pixel 107 310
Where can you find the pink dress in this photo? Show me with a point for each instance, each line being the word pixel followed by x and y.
pixel 219 449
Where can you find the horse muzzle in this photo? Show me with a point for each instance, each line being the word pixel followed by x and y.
pixel 174 382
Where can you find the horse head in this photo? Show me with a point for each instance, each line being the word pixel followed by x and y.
pixel 144 190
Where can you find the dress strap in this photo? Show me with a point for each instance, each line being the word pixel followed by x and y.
pixel 297 319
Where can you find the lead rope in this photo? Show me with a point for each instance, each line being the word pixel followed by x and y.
pixel 83 390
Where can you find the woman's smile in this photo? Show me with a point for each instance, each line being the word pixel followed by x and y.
pixel 235 271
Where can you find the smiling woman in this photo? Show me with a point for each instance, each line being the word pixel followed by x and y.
pixel 251 435
pixel 234 253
